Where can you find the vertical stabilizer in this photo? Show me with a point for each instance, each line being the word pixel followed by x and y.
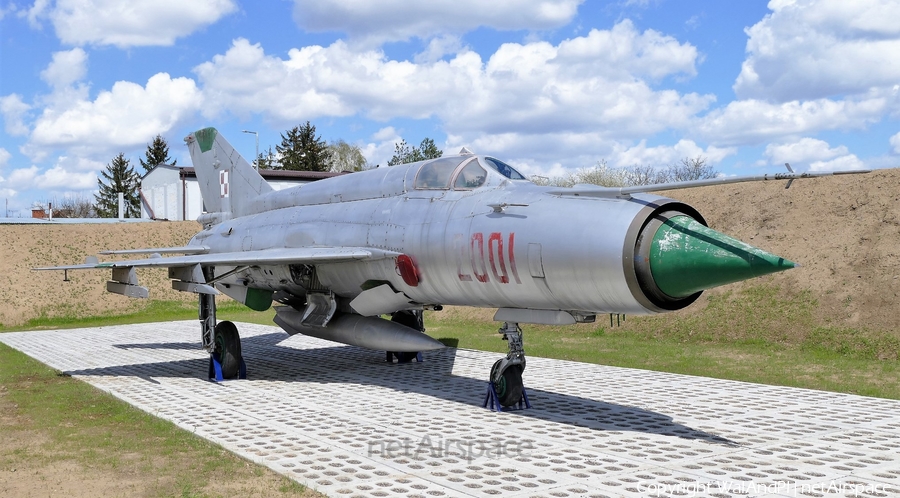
pixel 227 182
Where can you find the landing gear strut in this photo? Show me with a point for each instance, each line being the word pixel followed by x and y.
pixel 505 388
pixel 221 341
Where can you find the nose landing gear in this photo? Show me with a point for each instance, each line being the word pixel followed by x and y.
pixel 506 390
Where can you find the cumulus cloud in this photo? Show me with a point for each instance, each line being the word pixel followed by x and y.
pixel 66 68
pixel 128 115
pixel 664 155
pixel 589 83
pixel 128 24
pixel 379 21
pixel 814 154
pixel 811 49
pixel 4 157
pixel 56 177
pixel 747 122
pixel 895 143
pixel 14 110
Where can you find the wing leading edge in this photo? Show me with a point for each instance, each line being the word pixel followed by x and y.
pixel 302 255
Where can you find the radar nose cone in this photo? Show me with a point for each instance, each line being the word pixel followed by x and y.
pixel 687 257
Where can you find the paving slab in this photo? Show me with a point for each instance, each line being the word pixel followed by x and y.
pixel 340 420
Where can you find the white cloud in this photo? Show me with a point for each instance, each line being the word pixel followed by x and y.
pixel 813 153
pixel 842 163
pixel 380 151
pixel 895 143
pixel 4 157
pixel 810 49
pixel 56 177
pixel 66 68
pixel 128 115
pixel 13 110
pixel 128 24
pixel 582 85
pixel 438 47
pixel 744 122
pixel 664 155
pixel 378 21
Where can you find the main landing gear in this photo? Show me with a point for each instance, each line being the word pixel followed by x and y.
pixel 505 388
pixel 222 342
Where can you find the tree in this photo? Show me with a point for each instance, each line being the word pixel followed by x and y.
pixel 692 169
pixel 267 160
pixel 302 150
pixel 404 154
pixel 74 207
pixel 119 177
pixel 157 153
pixel 345 157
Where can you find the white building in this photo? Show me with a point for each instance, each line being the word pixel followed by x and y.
pixel 172 193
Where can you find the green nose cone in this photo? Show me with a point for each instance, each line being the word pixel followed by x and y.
pixel 687 257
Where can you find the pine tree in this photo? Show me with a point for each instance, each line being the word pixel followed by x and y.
pixel 157 153
pixel 302 150
pixel 267 160
pixel 119 177
pixel 404 154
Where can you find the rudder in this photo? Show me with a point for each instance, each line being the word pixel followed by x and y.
pixel 228 183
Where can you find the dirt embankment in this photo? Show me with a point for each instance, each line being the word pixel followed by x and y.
pixel 27 294
pixel 843 230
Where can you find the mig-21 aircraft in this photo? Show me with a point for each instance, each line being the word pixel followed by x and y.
pixel 466 230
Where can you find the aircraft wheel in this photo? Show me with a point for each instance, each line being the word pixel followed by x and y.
pixel 228 347
pixel 412 321
pixel 509 387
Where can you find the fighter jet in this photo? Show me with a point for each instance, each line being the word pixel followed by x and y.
pixel 466 230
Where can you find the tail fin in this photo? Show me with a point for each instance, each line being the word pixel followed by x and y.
pixel 228 184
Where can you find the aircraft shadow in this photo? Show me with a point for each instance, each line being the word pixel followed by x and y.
pixel 267 359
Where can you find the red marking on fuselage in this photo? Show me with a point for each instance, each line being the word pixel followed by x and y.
pixel 496 259
pixel 479 239
pixel 495 239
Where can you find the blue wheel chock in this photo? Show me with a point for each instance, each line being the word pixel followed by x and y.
pixel 389 357
pixel 215 369
pixel 491 398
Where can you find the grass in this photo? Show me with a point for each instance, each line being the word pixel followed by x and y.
pixel 66 422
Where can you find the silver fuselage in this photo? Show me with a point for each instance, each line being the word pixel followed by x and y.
pixel 505 244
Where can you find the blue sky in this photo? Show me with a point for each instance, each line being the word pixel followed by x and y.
pixel 548 85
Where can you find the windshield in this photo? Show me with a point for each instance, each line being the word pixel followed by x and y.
pixel 504 169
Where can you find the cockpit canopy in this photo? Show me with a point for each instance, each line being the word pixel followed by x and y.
pixel 465 172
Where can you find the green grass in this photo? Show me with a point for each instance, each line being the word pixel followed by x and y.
pixel 152 311
pixel 73 422
pixel 758 334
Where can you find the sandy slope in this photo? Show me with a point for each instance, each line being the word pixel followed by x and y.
pixel 845 231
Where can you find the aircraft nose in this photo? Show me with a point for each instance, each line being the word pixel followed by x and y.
pixel 686 257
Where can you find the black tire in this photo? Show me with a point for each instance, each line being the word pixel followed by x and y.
pixel 228 348
pixel 510 387
pixel 411 320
